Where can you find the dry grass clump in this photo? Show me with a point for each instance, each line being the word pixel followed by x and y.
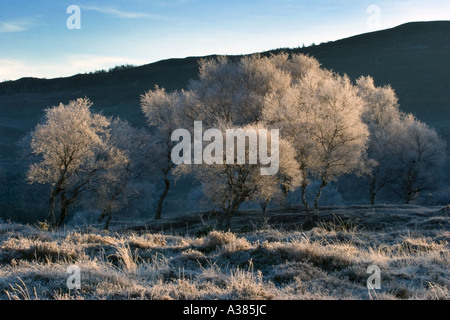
pixel 217 239
pixel 127 259
pixel 193 255
pixel 249 285
pixel 327 257
pixel 294 271
pixel 37 250
pixel 238 245
pixel 229 248
pixel 420 245
pixel 88 238
pixel 438 292
pixel 147 241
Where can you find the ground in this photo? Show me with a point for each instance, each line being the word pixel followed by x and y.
pixel 185 258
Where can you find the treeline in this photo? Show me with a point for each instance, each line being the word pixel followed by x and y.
pixel 114 69
pixel 331 131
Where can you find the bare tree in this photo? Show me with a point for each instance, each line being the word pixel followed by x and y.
pixel 73 147
pixel 163 114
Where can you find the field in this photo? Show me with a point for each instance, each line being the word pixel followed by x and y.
pixel 184 258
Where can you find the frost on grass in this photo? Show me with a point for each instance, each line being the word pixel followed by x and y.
pixel 327 262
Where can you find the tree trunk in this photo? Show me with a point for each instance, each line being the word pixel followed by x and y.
pixel 224 221
pixel 107 211
pixel 303 195
pixel 54 192
pixel 64 206
pixel 409 196
pixel 220 220
pixel 51 213
pixel 226 215
pixel 107 215
pixel 372 198
pixel 409 188
pixel 264 212
pixel 163 196
pixel 313 217
pixel 319 194
pixel 411 178
pixel 228 221
pixel 107 221
pixel 373 191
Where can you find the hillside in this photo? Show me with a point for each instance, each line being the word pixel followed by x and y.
pixel 413 58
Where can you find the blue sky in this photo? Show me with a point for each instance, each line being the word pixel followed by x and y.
pixel 35 40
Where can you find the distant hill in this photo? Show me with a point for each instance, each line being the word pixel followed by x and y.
pixel 413 58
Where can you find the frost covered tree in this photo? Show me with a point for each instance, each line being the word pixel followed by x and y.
pixel 229 182
pixel 137 146
pixel 384 120
pixel 338 130
pixel 74 151
pixel 318 111
pixel 162 112
pixel 321 116
pixel 296 65
pixel 421 155
pixel 407 155
pixel 234 91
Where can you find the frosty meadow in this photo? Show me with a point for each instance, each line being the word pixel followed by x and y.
pixel 235 144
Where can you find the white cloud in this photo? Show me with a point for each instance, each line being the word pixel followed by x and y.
pixel 122 14
pixel 15 26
